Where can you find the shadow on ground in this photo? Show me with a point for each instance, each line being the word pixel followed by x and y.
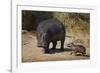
pixel 58 50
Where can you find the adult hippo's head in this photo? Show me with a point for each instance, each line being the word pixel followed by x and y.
pixel 42 39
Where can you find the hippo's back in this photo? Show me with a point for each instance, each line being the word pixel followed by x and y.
pixel 53 27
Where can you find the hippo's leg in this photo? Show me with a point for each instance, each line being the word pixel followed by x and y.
pixel 62 45
pixel 46 49
pixel 54 45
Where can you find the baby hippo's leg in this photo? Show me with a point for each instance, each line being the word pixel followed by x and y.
pixel 83 53
pixel 75 53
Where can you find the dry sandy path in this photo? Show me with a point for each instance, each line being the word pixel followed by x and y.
pixel 32 53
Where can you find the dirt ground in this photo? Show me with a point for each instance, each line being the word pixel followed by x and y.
pixel 32 53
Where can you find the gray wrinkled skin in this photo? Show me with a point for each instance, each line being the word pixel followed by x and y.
pixel 77 49
pixel 50 30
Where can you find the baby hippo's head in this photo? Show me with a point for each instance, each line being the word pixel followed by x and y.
pixel 70 45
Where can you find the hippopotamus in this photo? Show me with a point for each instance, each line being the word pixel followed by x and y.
pixel 50 31
pixel 77 49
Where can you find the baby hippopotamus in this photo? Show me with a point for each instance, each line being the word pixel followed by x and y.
pixel 77 49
